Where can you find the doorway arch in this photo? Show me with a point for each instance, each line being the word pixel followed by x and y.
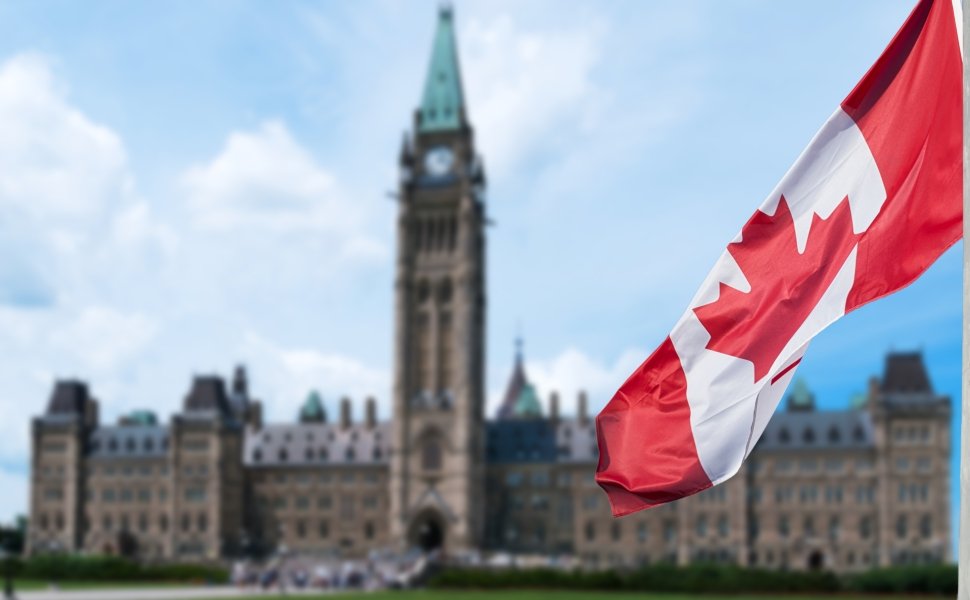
pixel 427 531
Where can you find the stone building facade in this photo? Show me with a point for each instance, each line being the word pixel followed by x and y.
pixel 823 489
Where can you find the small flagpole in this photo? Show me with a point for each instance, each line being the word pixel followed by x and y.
pixel 963 591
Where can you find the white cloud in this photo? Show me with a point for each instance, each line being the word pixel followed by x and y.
pixel 101 338
pixel 54 161
pixel 265 179
pixel 526 88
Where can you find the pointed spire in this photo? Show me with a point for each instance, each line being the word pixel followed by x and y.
pixel 442 105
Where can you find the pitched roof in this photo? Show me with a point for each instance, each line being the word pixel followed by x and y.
pixel 69 397
pixel 317 444
pixel 127 441
pixel 824 429
pixel 443 100
pixel 905 372
pixel 208 394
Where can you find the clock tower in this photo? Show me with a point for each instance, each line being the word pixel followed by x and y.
pixel 437 462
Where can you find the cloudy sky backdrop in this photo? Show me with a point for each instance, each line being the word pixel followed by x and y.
pixel 191 185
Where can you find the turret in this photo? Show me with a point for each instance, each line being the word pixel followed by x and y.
pixel 345 412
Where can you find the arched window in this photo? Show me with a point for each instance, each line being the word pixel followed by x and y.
pixel 926 526
pixel 431 455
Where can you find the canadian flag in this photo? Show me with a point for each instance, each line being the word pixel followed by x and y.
pixel 872 202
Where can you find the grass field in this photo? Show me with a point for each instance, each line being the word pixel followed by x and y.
pixel 566 595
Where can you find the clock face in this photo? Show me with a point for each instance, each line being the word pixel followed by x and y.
pixel 438 161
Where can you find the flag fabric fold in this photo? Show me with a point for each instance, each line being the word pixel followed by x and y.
pixel 871 203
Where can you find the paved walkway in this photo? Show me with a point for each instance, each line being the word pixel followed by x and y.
pixel 174 593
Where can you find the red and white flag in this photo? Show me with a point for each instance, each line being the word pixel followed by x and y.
pixel 872 202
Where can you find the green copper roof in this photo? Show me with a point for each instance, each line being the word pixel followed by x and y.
pixel 443 100
pixel 801 398
pixel 141 417
pixel 527 404
pixel 312 408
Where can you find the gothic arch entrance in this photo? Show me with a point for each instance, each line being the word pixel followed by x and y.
pixel 427 531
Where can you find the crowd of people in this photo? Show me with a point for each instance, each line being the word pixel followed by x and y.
pixel 381 570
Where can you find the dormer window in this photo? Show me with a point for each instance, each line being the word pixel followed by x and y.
pixel 834 436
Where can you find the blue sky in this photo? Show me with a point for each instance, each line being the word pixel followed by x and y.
pixel 188 185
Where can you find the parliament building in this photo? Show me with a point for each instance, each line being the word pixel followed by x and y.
pixel 841 490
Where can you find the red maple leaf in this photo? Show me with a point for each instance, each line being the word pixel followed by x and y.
pixel 785 284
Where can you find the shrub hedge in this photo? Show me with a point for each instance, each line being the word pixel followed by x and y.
pixel 109 568
pixel 706 578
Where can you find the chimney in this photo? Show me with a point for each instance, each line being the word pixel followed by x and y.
pixel 581 408
pixel 345 412
pixel 371 412
pixel 240 382
pixel 91 414
pixel 554 407
pixel 254 415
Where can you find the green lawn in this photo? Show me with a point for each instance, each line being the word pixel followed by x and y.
pixel 565 595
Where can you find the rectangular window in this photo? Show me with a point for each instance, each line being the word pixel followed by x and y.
pixel 195 494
